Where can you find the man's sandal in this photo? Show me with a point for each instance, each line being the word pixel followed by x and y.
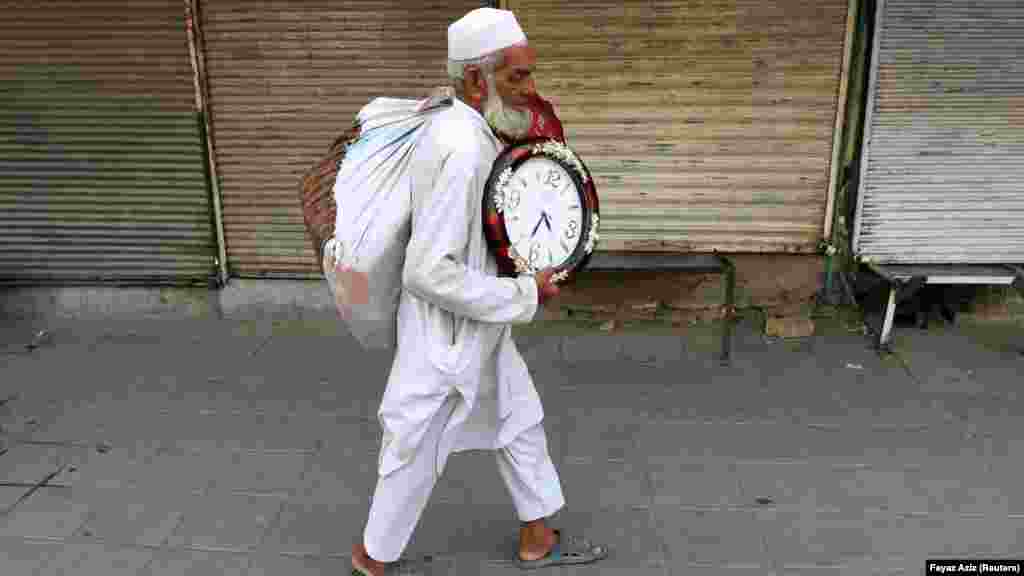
pixel 570 550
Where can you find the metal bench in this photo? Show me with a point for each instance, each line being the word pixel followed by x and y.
pixel 904 280
pixel 701 263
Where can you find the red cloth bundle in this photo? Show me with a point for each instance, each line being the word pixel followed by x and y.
pixel 545 122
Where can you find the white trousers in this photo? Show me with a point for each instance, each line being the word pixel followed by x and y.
pixel 400 497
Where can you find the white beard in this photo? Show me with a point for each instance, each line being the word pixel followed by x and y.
pixel 502 118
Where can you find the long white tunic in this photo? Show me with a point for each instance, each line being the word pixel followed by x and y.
pixel 455 313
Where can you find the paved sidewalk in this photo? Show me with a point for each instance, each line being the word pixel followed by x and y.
pixel 249 447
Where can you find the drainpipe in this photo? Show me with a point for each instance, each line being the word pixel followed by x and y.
pixel 852 13
pixel 198 55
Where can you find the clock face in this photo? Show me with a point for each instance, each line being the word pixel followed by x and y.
pixel 543 213
pixel 540 210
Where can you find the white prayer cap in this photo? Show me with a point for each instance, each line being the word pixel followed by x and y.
pixel 483 31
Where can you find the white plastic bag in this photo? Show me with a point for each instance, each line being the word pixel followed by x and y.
pixel 363 261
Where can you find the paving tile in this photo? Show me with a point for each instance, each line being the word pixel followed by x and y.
pixel 88 559
pixel 878 566
pixel 336 478
pixel 211 465
pixel 591 348
pixel 175 470
pixel 695 482
pixel 19 556
pixel 258 472
pixel 25 412
pixel 9 495
pixel 682 439
pixel 809 570
pixel 121 466
pixel 710 536
pixel 659 349
pixel 951 536
pixel 272 431
pixel 719 570
pixel 810 486
pixel 966 489
pixel 339 433
pixel 813 537
pixel 92 423
pixel 316 529
pixel 196 563
pixel 29 463
pixel 132 516
pixel 261 564
pixel 447 565
pixel 464 566
pixel 706 395
pixel 538 349
pixel 601 432
pixel 472 478
pixel 225 522
pixel 915 446
pixel 1005 477
pixel 47 513
pixel 598 484
pixel 465 530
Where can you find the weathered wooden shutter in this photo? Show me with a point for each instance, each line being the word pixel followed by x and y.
pixel 285 79
pixel 102 175
pixel 707 124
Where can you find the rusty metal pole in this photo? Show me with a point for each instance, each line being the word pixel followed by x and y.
pixel 198 54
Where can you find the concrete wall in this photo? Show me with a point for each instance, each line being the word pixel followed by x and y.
pixel 782 285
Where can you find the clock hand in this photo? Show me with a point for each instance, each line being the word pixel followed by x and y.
pixel 534 233
pixel 547 220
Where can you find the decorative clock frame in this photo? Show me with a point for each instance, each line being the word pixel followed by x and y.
pixel 510 262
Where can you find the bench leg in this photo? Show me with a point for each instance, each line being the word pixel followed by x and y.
pixel 885 334
pixel 730 310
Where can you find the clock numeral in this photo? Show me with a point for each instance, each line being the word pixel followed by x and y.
pixel 570 232
pixel 534 254
pixel 553 178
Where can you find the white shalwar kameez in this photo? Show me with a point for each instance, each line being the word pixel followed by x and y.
pixel 458 381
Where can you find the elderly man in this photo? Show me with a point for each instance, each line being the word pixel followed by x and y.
pixel 458 382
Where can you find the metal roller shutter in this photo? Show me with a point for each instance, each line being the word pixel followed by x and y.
pixel 943 167
pixel 285 79
pixel 707 124
pixel 102 175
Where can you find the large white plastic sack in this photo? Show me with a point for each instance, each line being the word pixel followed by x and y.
pixel 363 262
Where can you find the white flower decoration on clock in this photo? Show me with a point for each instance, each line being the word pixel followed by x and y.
pixel 543 213
pixel 540 210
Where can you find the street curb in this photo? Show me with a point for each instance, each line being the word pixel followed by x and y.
pixel 239 299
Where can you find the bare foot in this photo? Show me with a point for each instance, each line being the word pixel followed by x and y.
pixel 534 547
pixel 362 561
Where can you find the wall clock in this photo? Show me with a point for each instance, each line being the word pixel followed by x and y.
pixel 540 210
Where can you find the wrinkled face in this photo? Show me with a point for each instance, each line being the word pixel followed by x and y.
pixel 504 96
pixel 514 80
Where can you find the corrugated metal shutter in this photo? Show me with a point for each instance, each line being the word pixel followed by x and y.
pixel 943 178
pixel 707 124
pixel 102 174
pixel 286 78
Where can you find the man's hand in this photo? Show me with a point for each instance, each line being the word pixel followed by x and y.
pixel 546 289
